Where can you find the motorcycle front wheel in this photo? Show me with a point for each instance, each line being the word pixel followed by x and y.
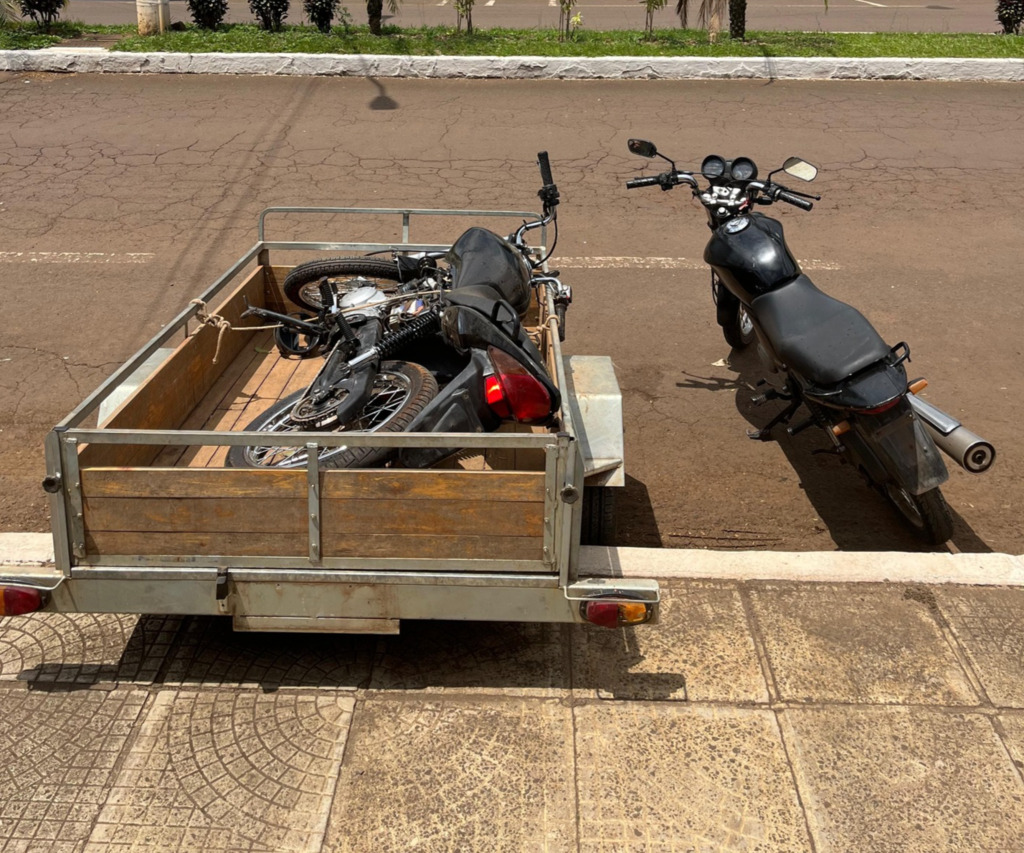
pixel 928 513
pixel 302 284
pixel 400 392
pixel 739 329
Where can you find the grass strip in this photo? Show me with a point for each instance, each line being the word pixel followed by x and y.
pixel 444 41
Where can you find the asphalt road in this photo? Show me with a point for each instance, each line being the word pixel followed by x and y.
pixel 150 187
pixel 969 16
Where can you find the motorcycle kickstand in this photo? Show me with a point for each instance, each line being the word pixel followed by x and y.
pixel 765 433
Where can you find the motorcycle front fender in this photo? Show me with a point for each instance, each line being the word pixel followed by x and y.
pixel 899 448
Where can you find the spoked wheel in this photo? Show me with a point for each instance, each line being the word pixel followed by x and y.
pixel 737 327
pixel 302 284
pixel 928 514
pixel 739 330
pixel 400 391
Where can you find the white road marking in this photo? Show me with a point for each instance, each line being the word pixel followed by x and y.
pixel 76 257
pixel 869 3
pixel 489 3
pixel 627 263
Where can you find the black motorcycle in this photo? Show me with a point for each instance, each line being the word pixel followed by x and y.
pixel 422 342
pixel 829 357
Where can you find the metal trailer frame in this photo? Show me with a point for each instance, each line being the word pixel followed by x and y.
pixel 339 594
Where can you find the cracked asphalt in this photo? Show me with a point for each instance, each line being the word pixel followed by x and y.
pixel 917 228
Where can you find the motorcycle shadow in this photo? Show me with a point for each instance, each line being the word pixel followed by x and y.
pixel 857 517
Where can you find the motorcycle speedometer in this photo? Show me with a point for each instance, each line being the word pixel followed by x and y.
pixel 712 167
pixel 743 169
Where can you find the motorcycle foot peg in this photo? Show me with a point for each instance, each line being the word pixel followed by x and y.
pixel 760 434
pixel 761 399
pixel 800 427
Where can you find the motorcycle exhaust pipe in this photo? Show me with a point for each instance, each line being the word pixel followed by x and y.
pixel 970 451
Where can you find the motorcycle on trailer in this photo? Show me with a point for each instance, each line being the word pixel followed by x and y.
pixel 423 342
pixel 830 358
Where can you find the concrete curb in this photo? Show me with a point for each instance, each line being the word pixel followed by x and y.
pixel 99 60
pixel 28 551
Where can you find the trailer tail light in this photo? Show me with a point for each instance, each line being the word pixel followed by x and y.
pixel 16 600
pixel 513 392
pixel 616 614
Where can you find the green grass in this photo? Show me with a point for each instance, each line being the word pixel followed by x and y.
pixel 444 41
pixel 25 36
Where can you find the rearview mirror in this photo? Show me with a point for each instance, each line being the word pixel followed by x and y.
pixel 800 169
pixel 643 148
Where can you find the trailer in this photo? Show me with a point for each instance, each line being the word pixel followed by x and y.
pixel 147 517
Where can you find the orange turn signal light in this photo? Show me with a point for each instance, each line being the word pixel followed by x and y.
pixel 616 614
pixel 841 428
pixel 917 386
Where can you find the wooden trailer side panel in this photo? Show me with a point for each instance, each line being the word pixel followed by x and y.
pixel 380 514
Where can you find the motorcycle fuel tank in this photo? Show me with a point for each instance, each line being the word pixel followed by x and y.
pixel 750 255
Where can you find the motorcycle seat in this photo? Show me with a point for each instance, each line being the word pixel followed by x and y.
pixel 821 338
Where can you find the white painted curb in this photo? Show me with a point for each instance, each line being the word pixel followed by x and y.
pixel 28 551
pixel 92 60
pixel 820 566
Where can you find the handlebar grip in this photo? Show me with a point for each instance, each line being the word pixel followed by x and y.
pixel 795 200
pixel 636 183
pixel 545 168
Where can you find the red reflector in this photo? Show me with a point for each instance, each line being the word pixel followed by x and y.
pixel 877 410
pixel 18 599
pixel 523 397
pixel 605 614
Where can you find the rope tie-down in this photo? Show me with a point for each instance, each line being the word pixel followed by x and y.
pixel 222 325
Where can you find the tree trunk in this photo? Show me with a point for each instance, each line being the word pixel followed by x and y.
pixel 738 19
pixel 374 12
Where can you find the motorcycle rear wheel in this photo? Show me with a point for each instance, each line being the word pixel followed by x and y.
pixel 302 284
pixel 928 513
pixel 400 392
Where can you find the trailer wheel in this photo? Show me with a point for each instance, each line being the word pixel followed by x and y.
pixel 400 392
pixel 598 510
pixel 302 284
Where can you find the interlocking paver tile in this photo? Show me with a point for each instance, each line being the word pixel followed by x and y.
pixel 866 643
pixel 701 650
pixel 212 654
pixel 84 648
pixel 59 752
pixel 892 780
pixel 677 777
pixel 511 658
pixel 228 771
pixel 446 773
pixel 989 624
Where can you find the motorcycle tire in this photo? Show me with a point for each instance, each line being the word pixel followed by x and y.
pixel 598 511
pixel 738 329
pixel 302 284
pixel 928 513
pixel 400 392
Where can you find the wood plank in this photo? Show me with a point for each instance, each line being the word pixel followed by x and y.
pixel 221 395
pixel 445 549
pixel 192 483
pixel 290 515
pixel 202 515
pixel 167 397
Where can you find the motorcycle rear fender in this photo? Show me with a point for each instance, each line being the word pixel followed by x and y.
pixel 898 447
pixel 460 407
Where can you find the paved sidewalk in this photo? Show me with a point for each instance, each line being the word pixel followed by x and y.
pixel 758 716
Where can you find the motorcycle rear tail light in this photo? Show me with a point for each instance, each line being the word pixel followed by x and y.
pixel 615 614
pixel 512 392
pixel 16 600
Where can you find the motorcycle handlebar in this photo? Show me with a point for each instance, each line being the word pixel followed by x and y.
pixel 545 168
pixel 636 183
pixel 795 200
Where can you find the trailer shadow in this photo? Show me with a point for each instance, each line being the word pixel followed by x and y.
pixel 428 657
pixel 857 517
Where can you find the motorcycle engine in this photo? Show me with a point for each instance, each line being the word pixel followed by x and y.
pixel 365 298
